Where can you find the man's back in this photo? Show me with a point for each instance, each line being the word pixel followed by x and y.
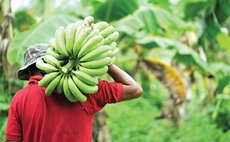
pixel 53 118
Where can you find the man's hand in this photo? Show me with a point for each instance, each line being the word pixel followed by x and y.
pixel 131 88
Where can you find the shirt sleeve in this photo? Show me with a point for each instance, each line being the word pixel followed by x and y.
pixel 108 92
pixel 13 127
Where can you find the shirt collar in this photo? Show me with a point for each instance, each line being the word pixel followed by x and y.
pixel 35 79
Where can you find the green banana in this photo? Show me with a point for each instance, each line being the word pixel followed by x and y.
pixel 70 37
pixel 52 43
pixel 109 53
pixel 115 51
pixel 94 72
pixel 92 34
pixel 89 20
pixel 90 44
pixel 75 91
pixel 100 25
pixel 47 78
pixel 113 60
pixel 50 51
pixel 69 95
pixel 40 64
pixel 84 88
pixel 81 25
pixel 61 41
pixel 85 78
pixel 107 31
pixel 98 51
pixel 79 39
pixel 113 45
pixel 85 24
pixel 111 38
pixel 78 23
pixel 96 63
pixel 64 70
pixel 60 84
pixel 70 64
pixel 52 61
pixel 52 85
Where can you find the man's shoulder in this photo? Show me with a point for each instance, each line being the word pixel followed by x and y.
pixel 21 93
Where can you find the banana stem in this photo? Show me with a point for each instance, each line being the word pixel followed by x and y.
pixel 215 113
pixel 70 65
pixel 64 70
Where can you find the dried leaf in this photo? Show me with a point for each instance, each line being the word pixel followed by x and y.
pixel 168 76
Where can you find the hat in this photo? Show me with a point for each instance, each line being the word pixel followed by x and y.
pixel 31 55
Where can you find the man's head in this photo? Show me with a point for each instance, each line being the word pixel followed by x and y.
pixel 31 55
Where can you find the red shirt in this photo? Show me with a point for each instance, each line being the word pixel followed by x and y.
pixel 35 117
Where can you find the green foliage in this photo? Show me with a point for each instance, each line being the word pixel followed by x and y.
pixel 5 98
pixel 200 128
pixel 151 20
pixel 134 121
pixel 222 10
pixel 222 112
pixel 224 40
pixel 198 8
pixel 184 54
pixel 3 122
pixel 110 10
pixel 41 6
pixel 5 95
pixel 221 71
pixel 24 19
pixel 165 4
pixel 139 129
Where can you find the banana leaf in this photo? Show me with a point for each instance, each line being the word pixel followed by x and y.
pixel 224 41
pixel 222 10
pixel 111 10
pixel 151 20
pixel 221 72
pixel 191 9
pixel 169 76
pixel 184 54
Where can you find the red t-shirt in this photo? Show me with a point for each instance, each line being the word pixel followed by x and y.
pixel 35 117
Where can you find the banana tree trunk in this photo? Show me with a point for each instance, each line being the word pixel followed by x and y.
pixel 100 128
pixel 6 37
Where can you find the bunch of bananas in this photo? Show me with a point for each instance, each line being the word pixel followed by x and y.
pixel 77 56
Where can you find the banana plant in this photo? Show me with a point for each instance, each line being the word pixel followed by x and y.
pixel 168 76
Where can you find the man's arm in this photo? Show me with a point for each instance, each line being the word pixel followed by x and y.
pixel 131 88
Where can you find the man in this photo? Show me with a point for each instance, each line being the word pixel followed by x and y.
pixel 36 117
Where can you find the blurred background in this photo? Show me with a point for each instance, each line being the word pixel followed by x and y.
pixel 178 50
